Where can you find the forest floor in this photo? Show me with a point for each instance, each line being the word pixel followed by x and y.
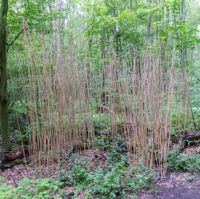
pixel 176 185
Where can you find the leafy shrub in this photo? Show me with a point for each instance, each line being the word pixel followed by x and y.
pixel 37 189
pixel 119 181
pixel 7 191
pixel 196 113
pixel 180 162
pixel 101 121
pixel 18 121
pixel 116 180
pixel 116 148
pixel 117 151
pixel 109 182
pixel 77 176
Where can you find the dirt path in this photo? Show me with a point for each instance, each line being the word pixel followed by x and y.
pixel 176 186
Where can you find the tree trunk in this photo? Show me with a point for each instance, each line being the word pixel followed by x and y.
pixel 3 77
pixel 58 34
pixel 103 56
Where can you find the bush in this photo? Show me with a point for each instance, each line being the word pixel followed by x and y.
pixel 36 189
pixel 120 181
pixel 116 148
pixel 77 176
pixel 179 162
pixel 101 122
pixel 109 182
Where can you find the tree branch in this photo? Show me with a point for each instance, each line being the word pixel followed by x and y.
pixel 13 41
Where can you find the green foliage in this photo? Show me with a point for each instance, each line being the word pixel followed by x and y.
pixel 7 190
pixel 195 90
pixel 32 11
pixel 116 148
pixel 181 122
pixel 101 121
pixel 20 107
pixel 120 22
pixel 116 179
pixel 110 182
pixel 179 162
pixel 120 181
pixel 78 175
pixel 38 189
pixel 18 121
pixel 196 113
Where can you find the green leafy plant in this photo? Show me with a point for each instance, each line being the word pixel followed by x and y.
pixel 78 175
pixel 115 146
pixel 119 181
pixel 180 162
pixel 8 191
pixel 101 121
pixel 38 189
pixel 110 182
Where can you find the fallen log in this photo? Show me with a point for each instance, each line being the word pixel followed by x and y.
pixel 8 165
pixel 190 139
pixel 12 158
pixel 192 136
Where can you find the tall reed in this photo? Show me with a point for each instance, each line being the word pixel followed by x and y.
pixel 142 92
pixel 139 95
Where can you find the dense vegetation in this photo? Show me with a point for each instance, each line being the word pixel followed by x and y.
pixel 116 78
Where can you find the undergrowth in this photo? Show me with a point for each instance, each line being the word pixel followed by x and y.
pixel 117 179
pixel 180 162
pixel 32 189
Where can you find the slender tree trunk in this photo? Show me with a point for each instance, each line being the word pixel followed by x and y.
pixel 3 77
pixel 103 94
pixel 58 34
pixel 149 27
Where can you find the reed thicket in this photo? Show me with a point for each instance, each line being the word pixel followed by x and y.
pixel 137 93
